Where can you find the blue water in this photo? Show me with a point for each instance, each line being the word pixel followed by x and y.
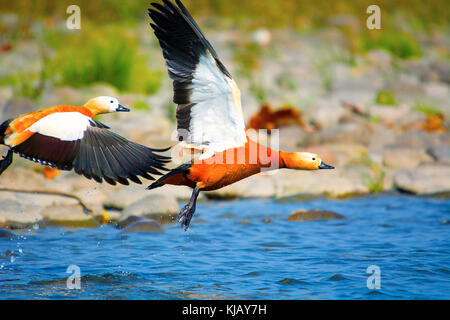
pixel 266 258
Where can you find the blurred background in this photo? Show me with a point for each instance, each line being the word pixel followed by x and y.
pixel 374 103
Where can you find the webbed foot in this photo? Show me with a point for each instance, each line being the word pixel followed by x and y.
pixel 186 214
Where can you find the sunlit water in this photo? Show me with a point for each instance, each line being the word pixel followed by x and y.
pixel 269 257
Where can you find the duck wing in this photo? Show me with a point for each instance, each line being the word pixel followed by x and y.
pixel 209 113
pixel 71 140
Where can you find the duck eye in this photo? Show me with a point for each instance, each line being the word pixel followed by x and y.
pixel 112 101
pixel 314 159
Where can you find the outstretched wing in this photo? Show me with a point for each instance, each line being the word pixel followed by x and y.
pixel 71 140
pixel 209 113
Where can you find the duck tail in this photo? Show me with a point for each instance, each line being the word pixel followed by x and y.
pixel 183 169
pixel 3 127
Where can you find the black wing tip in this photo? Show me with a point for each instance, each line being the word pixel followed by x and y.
pixel 161 150
pixel 180 169
pixel 154 185
pixel 107 155
pixel 176 13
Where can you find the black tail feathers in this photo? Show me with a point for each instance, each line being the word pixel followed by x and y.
pixel 3 127
pixel 160 182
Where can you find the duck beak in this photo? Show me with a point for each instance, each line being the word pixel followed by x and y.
pixel 325 166
pixel 121 108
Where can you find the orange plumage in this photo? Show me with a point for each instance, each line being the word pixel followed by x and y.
pixel 25 121
pixel 230 166
pixel 209 113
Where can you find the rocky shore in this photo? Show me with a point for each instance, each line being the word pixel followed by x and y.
pixel 375 145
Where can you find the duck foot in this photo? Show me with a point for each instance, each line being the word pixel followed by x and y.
pixel 186 214
pixel 6 161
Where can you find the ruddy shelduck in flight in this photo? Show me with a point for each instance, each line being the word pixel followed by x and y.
pixel 67 137
pixel 209 113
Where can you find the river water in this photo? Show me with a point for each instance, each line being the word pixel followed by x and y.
pixel 245 249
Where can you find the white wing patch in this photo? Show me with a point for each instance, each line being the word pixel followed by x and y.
pixel 66 126
pixel 216 123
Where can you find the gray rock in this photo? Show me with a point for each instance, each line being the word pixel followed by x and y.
pixel 21 178
pixel 430 178
pixel 145 225
pixel 437 91
pixel 389 115
pixel 342 134
pixel 160 207
pixel 316 214
pixel 181 193
pixel 7 234
pixel 6 93
pixel 379 58
pixel 341 154
pixel 16 107
pixel 18 215
pixel 325 112
pixel 291 137
pixel 406 158
pixel 406 87
pixel 421 139
pixel 257 186
pixel 125 197
pixel 337 183
pixel 63 95
pixel 68 216
pixel 121 224
pixel 443 69
pixel 93 197
pixel 440 153
pixel 45 200
pixel 381 137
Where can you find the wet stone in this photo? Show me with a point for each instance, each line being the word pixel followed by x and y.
pixel 310 215
pixel 6 234
pixel 144 225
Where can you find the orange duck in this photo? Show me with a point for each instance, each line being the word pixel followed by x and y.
pixel 209 113
pixel 67 137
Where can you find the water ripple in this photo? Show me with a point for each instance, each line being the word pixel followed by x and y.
pixel 244 249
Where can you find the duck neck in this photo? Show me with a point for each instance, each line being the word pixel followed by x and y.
pixel 285 159
pixel 93 108
pixel 266 158
pixel 290 160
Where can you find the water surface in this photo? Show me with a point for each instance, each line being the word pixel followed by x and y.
pixel 245 249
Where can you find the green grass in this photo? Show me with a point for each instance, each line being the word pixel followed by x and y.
pixel 257 90
pixel 427 108
pixel 141 105
pixel 375 183
pixel 373 180
pixel 102 55
pixel 385 98
pixel 324 62
pixel 400 44
pixel 110 63
pixel 247 57
pixel 27 85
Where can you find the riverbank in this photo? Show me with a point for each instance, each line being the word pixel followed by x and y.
pixel 380 119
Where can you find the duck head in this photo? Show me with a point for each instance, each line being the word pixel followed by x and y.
pixel 303 161
pixel 105 104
